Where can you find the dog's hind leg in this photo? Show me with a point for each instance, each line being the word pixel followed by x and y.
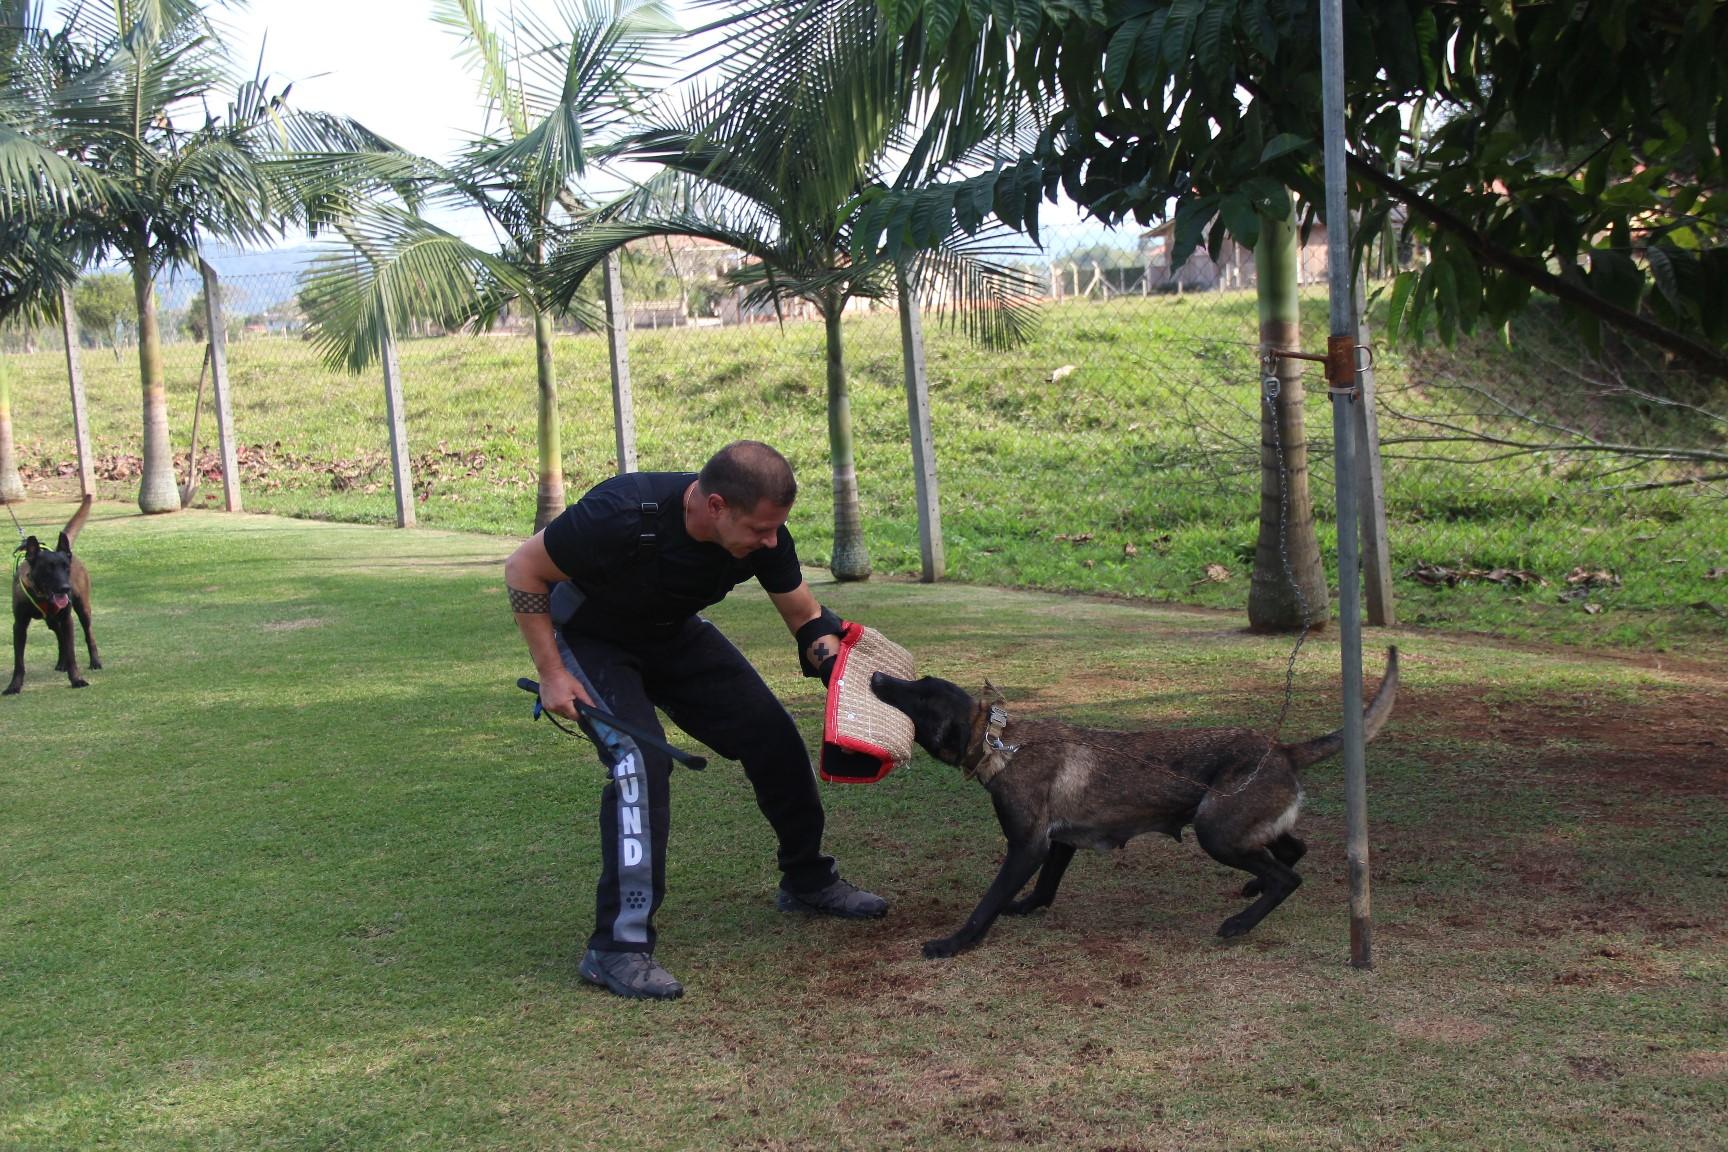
pixel 68 652
pixel 1289 849
pixel 1023 860
pixel 1277 879
pixel 81 606
pixel 1049 876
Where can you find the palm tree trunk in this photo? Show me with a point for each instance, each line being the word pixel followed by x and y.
pixel 11 487
pixel 1288 592
pixel 851 557
pixel 157 491
pixel 549 498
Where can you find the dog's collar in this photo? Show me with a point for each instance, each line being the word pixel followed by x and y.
pixel 986 754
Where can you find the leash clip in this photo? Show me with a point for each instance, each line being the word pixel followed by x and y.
pixel 998 719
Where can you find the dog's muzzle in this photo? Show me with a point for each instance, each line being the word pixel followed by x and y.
pixel 864 738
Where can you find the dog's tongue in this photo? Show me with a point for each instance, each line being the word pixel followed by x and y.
pixel 60 602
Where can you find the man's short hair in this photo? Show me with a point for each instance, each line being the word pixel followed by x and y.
pixel 747 472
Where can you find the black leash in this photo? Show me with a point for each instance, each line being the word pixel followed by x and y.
pixel 688 759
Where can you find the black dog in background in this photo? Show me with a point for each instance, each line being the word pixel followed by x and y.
pixel 51 586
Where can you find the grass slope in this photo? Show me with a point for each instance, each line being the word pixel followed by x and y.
pixel 1134 474
pixel 296 872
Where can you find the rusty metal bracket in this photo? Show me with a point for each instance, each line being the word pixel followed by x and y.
pixel 1340 361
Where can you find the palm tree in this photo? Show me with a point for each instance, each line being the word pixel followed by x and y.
pixel 782 159
pixel 552 98
pixel 147 173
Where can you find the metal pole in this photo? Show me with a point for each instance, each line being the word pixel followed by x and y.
pixel 1344 443
pixel 399 462
pixel 75 377
pixel 623 406
pixel 918 425
pixel 218 334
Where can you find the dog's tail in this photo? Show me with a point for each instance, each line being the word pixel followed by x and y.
pixel 1373 719
pixel 74 525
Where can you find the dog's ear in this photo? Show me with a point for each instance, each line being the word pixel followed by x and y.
pixel 32 548
pixel 991 695
pixel 65 545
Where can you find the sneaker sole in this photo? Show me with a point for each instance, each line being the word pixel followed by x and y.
pixel 787 902
pixel 601 980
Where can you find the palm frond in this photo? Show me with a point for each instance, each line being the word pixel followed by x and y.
pixel 586 246
pixel 397 269
pixel 483 53
pixel 973 286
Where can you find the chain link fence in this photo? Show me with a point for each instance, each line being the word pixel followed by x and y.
pixel 1531 487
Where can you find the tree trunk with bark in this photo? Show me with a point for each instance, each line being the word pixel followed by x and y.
pixel 1288 592
pixel 851 558
pixel 549 494
pixel 157 491
pixel 11 487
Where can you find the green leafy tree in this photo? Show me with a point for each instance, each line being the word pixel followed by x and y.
pixel 806 124
pixel 555 96
pixel 1572 147
pixel 120 154
pixel 106 309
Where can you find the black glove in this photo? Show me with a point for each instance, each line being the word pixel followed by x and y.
pixel 827 624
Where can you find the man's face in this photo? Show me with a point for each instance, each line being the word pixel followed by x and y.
pixel 742 533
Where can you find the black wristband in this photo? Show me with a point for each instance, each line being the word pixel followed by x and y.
pixel 827 624
pixel 532 603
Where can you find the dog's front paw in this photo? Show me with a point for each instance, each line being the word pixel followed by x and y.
pixel 80 682
pixel 13 688
pixel 96 665
pixel 941 949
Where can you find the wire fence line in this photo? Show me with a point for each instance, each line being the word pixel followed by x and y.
pixel 1117 451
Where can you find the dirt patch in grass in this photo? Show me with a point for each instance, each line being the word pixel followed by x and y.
pixel 1673 742
pixel 1443 1029
pixel 1706 1065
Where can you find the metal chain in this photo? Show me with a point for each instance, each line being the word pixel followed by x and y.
pixel 1269 390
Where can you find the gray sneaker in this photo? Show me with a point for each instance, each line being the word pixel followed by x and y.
pixel 633 975
pixel 838 899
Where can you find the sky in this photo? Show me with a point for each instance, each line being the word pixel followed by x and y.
pixel 388 65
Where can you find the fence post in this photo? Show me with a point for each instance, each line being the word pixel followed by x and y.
pixel 75 376
pixel 217 331
pixel 399 462
pixel 1371 507
pixel 930 550
pixel 617 346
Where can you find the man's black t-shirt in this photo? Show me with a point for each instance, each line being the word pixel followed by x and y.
pixel 633 590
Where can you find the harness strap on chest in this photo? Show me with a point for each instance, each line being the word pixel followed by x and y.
pixel 648 531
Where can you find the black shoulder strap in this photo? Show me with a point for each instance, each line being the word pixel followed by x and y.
pixel 648 532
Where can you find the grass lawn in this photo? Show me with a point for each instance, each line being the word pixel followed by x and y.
pixel 297 872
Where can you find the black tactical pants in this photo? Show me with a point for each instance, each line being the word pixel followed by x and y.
pixel 707 687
